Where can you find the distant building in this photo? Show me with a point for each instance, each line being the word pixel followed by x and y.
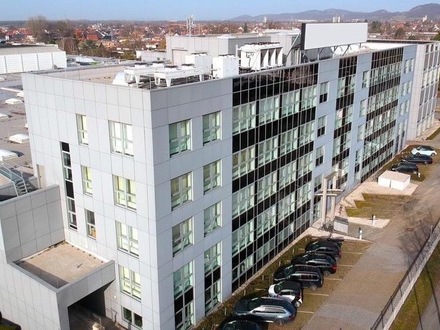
pixel 25 58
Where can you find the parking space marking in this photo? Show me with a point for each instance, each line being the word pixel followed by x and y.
pixel 352 252
pixel 301 311
pixel 345 265
pixel 318 294
pixel 333 278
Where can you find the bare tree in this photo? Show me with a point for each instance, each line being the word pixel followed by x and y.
pixel 38 26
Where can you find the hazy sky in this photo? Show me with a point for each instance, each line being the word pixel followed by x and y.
pixel 180 9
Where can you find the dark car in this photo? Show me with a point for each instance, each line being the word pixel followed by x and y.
pixel 287 290
pixel 239 323
pixel 324 246
pixel 308 276
pixel 405 167
pixel 266 309
pixel 326 263
pixel 417 159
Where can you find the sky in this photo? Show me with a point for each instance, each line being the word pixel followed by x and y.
pixel 181 9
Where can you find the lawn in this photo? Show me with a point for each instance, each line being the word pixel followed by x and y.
pixel 418 299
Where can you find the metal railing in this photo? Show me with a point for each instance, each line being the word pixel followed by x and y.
pixel 397 299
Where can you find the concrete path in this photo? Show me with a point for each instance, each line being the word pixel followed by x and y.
pixel 359 299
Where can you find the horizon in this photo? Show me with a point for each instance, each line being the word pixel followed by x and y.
pixel 115 10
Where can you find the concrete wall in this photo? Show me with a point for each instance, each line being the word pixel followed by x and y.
pixel 30 223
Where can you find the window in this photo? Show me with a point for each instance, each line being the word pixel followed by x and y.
pixel 308 97
pixel 243 200
pixel 131 317
pixel 243 162
pixel 306 133
pixel 287 174
pixel 291 102
pixel 211 127
pixel 182 235
pixel 288 141
pixel 361 133
pixel 211 176
pixel 366 79
pixel 181 190
pixel 183 297
pixel 286 206
pixel 90 224
pixel 127 238
pixel 121 138
pixel 267 150
pixel 83 135
pixel 244 117
pixel 322 121
pixel 213 273
pixel 125 192
pixel 180 137
pixel 212 218
pixel 242 237
pixel 319 159
pixel 130 282
pixel 305 164
pixel 269 109
pixel 266 220
pixel 363 107
pixel 323 92
pixel 87 180
pixel 266 186
pixel 71 213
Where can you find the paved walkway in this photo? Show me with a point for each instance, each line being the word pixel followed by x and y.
pixel 358 300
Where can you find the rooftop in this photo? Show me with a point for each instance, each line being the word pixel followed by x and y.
pixel 60 264
pixel 8 49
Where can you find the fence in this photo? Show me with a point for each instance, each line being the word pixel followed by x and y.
pixel 405 286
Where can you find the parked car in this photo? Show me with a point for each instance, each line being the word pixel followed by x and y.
pixel 266 309
pixel 289 291
pixel 308 276
pixel 326 263
pixel 405 167
pixel 324 246
pixel 417 159
pixel 424 150
pixel 239 323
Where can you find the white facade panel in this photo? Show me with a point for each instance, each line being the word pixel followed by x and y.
pixel 59 59
pixel 30 62
pixel 45 61
pixel 14 63
pixel 3 68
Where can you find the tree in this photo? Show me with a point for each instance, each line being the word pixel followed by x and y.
pixel 39 28
pixel 400 33
pixel 245 28
pixel 376 27
pixel 437 37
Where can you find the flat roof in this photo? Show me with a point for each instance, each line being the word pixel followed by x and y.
pixel 14 124
pixel 27 49
pixel 60 264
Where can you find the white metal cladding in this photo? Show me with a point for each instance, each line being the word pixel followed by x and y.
pixel 45 61
pixel 320 35
pixel 30 62
pixel 59 59
pixel 13 64
pixel 3 64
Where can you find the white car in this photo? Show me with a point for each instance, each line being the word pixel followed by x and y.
pixel 424 150
pixel 287 290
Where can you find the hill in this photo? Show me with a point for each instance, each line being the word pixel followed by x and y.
pixel 431 10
